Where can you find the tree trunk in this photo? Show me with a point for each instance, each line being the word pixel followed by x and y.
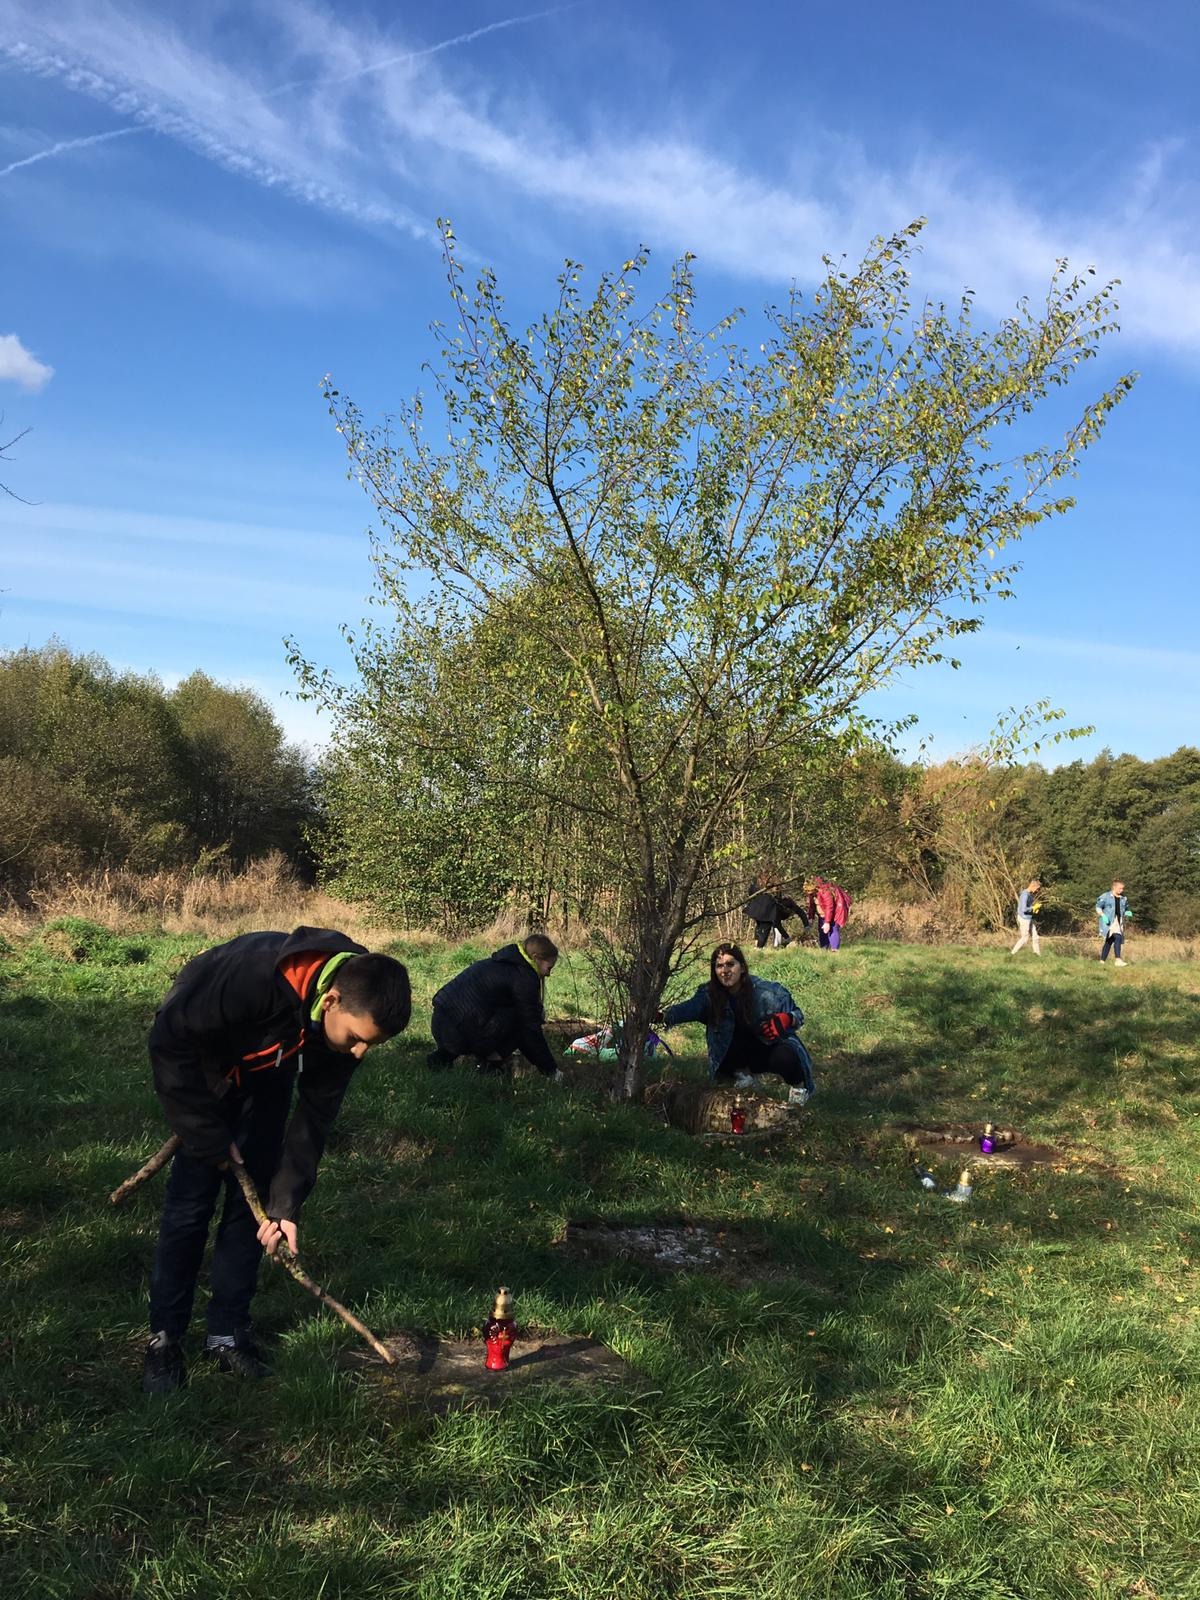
pixel 649 968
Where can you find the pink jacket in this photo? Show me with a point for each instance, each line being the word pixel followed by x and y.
pixel 828 902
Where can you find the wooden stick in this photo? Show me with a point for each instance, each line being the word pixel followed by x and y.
pixel 284 1256
pixel 156 1162
pixel 291 1264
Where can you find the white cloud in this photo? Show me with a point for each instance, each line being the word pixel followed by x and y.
pixel 358 127
pixel 18 365
pixel 1099 651
pixel 71 573
pixel 104 528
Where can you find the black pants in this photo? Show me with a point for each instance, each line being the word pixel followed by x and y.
pixel 193 1189
pixel 755 1057
pixel 454 1038
pixel 764 930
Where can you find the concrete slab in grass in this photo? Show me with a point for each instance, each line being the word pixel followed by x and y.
pixel 439 1375
pixel 960 1142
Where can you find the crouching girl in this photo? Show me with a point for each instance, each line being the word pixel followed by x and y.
pixel 750 1024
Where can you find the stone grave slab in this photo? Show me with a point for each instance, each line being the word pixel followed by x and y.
pixel 439 1375
pixel 960 1142
pixel 681 1246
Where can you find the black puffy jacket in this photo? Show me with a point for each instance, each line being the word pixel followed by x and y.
pixel 501 995
pixel 762 906
pixel 237 1010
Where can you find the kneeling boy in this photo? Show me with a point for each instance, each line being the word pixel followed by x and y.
pixel 494 1007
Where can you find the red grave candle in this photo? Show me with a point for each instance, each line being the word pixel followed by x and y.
pixel 500 1331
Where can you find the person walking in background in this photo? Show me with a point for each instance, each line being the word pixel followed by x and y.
pixel 750 1026
pixel 1028 906
pixel 820 908
pixel 766 907
pixel 829 907
pixel 495 1007
pixel 1113 910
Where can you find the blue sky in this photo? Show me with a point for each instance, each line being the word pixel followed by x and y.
pixel 204 209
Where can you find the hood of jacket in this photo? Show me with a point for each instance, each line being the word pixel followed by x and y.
pixel 514 956
pixel 236 999
pixel 325 941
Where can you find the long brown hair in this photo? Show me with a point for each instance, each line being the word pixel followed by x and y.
pixel 718 995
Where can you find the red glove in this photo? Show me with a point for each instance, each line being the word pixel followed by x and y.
pixel 776 1026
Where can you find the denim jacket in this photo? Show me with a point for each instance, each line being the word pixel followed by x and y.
pixel 1108 908
pixel 768 998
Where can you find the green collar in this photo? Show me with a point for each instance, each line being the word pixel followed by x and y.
pixel 325 980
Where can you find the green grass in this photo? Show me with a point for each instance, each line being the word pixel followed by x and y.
pixel 989 1402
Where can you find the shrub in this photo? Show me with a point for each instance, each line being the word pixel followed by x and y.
pixel 1178 913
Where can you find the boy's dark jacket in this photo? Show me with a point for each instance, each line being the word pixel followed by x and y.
pixel 500 996
pixel 230 1014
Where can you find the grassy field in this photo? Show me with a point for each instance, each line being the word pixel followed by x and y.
pixel 916 1400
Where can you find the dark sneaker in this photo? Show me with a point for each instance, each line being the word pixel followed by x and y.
pixel 439 1060
pixel 244 1359
pixel 164 1369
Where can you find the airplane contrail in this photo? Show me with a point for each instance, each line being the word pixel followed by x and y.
pixel 417 55
pixel 210 145
pixel 68 144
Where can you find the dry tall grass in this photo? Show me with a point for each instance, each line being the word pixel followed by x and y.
pixel 933 923
pixel 268 894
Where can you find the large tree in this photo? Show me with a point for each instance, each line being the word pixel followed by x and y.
pixel 100 769
pixel 247 790
pixel 731 544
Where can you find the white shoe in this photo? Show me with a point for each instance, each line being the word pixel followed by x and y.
pixel 744 1080
pixel 798 1095
pixel 1118 962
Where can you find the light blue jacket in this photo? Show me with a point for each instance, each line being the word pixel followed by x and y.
pixel 1107 907
pixel 768 998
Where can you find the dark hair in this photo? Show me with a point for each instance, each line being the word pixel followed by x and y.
pixel 541 947
pixel 376 986
pixel 718 995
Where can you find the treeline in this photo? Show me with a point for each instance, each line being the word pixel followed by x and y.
pixel 413 832
pixel 100 769
pixel 103 769
pixel 971 835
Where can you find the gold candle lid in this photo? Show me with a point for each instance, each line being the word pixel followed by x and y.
pixel 989 1128
pixel 504 1302
pixel 964 1177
